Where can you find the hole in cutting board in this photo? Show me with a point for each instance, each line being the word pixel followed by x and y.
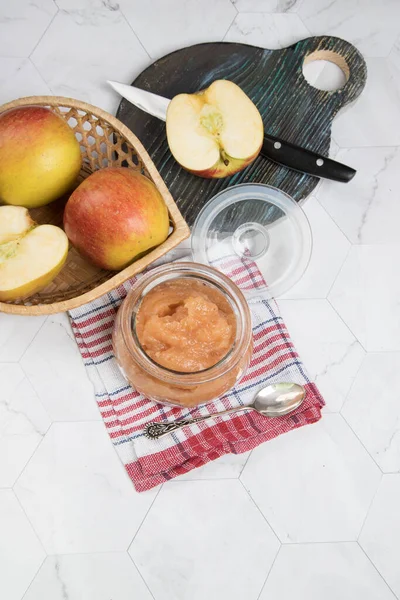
pixel 326 70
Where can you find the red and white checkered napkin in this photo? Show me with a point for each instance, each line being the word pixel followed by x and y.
pixel 126 412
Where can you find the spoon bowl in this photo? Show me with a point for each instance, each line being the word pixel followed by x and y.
pixel 278 399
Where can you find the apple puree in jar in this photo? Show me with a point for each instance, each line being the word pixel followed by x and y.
pixel 185 325
pixel 183 335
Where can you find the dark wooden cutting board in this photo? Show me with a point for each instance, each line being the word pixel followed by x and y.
pixel 273 79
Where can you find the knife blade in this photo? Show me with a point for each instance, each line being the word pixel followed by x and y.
pixel 276 149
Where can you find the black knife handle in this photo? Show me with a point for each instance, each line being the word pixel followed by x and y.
pixel 299 159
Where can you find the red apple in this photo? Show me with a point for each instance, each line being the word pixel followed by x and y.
pixel 115 215
pixel 216 132
pixel 40 157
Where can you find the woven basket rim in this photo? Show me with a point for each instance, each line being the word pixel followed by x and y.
pixel 181 229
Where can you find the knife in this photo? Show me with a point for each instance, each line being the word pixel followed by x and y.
pixel 284 153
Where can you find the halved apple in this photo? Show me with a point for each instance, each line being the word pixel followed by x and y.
pixel 30 261
pixel 14 222
pixel 214 133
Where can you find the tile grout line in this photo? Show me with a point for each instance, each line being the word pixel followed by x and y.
pixel 376 569
pixel 245 464
pixel 141 576
pixel 260 511
pixel 135 34
pixel 31 342
pixel 343 263
pixel 45 31
pixel 232 22
pixel 40 75
pixel 34 577
pixel 339 228
pixel 269 572
pixel 347 326
pixel 356 435
pixel 30 523
pixel 26 465
pixel 144 518
pixel 369 508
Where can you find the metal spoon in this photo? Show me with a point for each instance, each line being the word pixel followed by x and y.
pixel 274 400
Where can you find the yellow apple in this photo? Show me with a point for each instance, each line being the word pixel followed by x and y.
pixel 40 157
pixel 216 132
pixel 30 259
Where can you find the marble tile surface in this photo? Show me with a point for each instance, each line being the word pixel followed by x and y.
pixel 21 553
pixel 372 408
pixel 16 335
pixel 371 25
pixel 330 352
pixel 314 484
pixel 101 576
pixel 214 533
pixel 76 493
pixel 372 119
pixel 330 248
pixel 380 537
pixel 22 24
pixel 366 295
pixel 329 571
pixel 23 422
pixel 267 6
pixel 271 31
pixel 367 209
pixel 104 47
pixel 174 549
pixel 179 23
pixel 19 78
pixel 55 368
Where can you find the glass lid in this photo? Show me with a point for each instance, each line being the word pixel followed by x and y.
pixel 257 235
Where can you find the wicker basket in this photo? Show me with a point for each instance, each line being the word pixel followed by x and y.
pixel 104 141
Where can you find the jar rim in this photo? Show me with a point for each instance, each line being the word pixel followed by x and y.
pixel 209 275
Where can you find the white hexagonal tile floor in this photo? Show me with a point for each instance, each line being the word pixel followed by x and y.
pixel 329 571
pixel 330 248
pixel 18 78
pixel 16 334
pixel 55 368
pixel 327 347
pixel 366 293
pixel 204 539
pixel 354 22
pixel 23 422
pixel 367 210
pixel 84 46
pixel 362 124
pixel 102 576
pixel 380 536
pixel 267 30
pixel 372 408
pixel 21 553
pixel 179 23
pixel 22 23
pixel 76 493
pixel 314 484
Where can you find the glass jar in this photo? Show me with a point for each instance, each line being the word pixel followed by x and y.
pixel 171 387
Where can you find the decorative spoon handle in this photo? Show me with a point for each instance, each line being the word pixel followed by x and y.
pixel 154 431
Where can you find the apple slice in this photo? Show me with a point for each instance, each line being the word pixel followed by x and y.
pixel 214 133
pixel 30 262
pixel 14 222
